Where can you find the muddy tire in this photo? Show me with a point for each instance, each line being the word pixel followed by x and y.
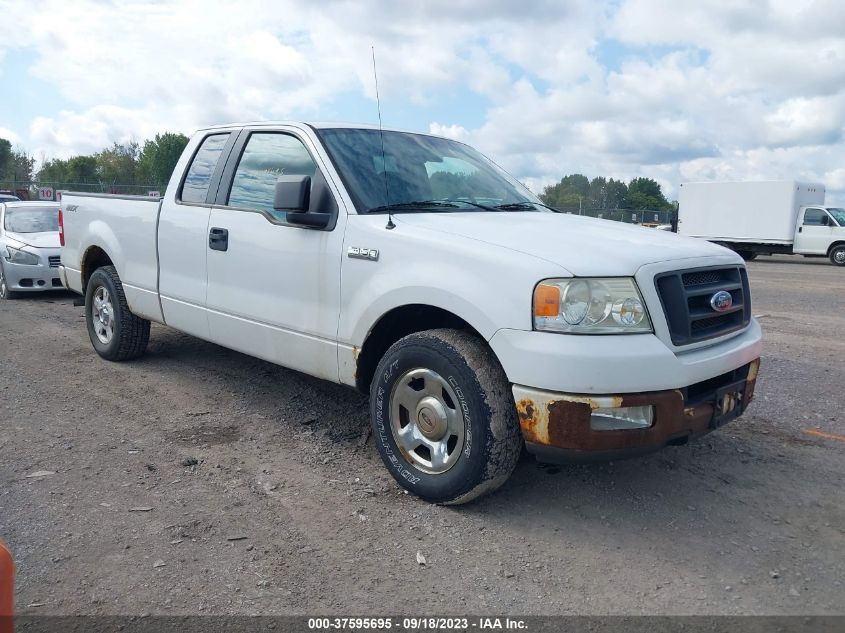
pixel 837 255
pixel 443 416
pixel 115 332
pixel 5 293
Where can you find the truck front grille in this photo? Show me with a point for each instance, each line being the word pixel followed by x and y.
pixel 686 295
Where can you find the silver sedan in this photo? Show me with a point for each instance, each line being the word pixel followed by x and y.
pixel 30 251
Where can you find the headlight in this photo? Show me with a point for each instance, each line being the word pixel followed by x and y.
pixel 611 305
pixel 17 256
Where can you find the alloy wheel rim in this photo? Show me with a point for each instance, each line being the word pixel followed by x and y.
pixel 426 421
pixel 102 315
pixel 839 256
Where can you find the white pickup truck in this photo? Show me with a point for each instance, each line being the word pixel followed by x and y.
pixel 412 267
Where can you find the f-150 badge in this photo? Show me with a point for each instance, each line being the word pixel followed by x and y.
pixel 356 252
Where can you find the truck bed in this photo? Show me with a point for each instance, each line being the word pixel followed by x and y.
pixel 125 227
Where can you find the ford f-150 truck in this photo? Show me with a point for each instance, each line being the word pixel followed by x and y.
pixel 415 269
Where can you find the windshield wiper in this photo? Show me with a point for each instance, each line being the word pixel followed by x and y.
pixel 416 204
pixel 522 206
pixel 477 205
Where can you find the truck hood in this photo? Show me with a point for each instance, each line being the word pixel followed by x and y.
pixel 583 246
pixel 49 239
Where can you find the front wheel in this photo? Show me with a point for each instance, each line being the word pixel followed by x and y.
pixel 443 416
pixel 115 332
pixel 837 255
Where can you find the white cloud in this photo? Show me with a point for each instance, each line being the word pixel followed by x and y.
pixel 10 136
pixel 675 91
pixel 457 132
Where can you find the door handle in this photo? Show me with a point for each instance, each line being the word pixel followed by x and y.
pixel 800 229
pixel 218 239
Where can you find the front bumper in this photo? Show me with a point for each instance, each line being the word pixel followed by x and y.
pixel 21 278
pixel 556 426
pixel 625 363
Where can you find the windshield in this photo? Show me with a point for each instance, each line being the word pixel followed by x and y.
pixel 838 214
pixel 420 169
pixel 32 219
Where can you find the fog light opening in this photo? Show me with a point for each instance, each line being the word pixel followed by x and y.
pixel 622 418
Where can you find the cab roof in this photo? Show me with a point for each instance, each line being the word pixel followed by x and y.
pixel 317 125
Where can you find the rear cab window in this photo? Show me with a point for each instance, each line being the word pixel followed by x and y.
pixel 202 167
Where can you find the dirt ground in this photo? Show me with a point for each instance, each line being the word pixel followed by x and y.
pixel 198 481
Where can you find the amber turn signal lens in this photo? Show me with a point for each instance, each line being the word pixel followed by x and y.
pixel 546 301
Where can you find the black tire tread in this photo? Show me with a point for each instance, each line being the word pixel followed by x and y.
pixel 134 332
pixel 504 442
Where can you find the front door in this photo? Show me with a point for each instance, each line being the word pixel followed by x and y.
pixel 273 288
pixel 815 232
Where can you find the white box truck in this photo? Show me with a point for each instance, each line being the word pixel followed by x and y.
pixel 764 218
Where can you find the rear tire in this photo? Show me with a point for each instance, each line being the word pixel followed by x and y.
pixel 443 396
pixel 5 293
pixel 115 332
pixel 837 255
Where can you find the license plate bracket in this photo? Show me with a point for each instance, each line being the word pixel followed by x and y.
pixel 729 404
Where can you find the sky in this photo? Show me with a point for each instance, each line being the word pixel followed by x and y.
pixel 674 90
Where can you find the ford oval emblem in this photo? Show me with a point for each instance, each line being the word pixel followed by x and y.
pixel 721 301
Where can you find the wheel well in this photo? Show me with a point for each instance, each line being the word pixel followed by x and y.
pixel 397 324
pixel 834 245
pixel 95 257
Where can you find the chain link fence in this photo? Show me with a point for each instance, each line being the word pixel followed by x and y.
pixel 631 216
pixel 45 190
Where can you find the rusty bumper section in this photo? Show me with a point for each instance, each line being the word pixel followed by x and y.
pixel 557 427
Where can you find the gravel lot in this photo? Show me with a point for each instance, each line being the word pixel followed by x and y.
pixel 199 480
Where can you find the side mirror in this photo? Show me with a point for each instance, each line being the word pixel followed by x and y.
pixel 308 201
pixel 293 194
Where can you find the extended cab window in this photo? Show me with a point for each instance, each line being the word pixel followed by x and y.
pixel 267 156
pixel 815 217
pixel 195 187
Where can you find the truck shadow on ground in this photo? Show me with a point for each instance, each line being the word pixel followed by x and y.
pixel 46 296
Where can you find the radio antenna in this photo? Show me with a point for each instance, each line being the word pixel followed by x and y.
pixel 390 224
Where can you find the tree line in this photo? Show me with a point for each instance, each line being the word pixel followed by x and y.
pixel 14 164
pixel 122 165
pixel 576 191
